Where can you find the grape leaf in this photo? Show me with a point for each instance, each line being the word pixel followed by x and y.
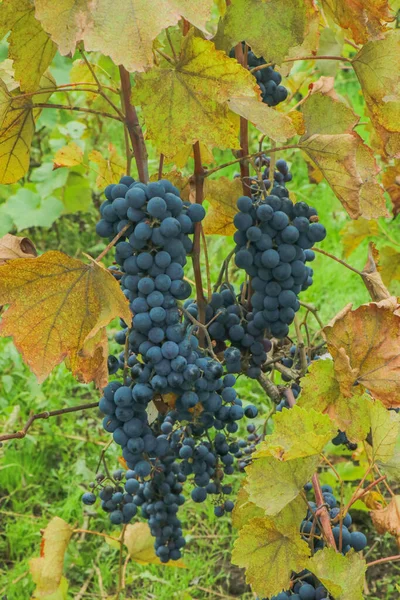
pixel 366 20
pixel 180 181
pixel 76 195
pixel 31 48
pixel 285 481
pixel 90 363
pixel 343 576
pixel 28 209
pixel 222 194
pixel 17 126
pixel 123 30
pixel 391 183
pixel 385 428
pixel 355 232
pixel 377 66
pixel 47 570
pixel 388 519
pixel 244 510
pixel 12 247
pixel 391 467
pixel 320 391
pixel 5 101
pixel 389 264
pixel 330 44
pixel 191 104
pixel 297 433
pixel 269 550
pixel 7 76
pixel 140 545
pixel 110 169
pixel 346 162
pixel 256 22
pixel 275 125
pixel 57 304
pixel 365 346
pixel 68 156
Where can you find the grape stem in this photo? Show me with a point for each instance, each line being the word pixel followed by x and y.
pixel 44 415
pixel 236 160
pixel 321 512
pixel 383 560
pixel 270 388
pixel 301 346
pixel 241 57
pixel 202 328
pixel 199 187
pixel 339 260
pixel 133 126
pixel 75 108
pixel 112 243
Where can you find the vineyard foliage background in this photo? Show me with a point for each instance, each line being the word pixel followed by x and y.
pixel 89 93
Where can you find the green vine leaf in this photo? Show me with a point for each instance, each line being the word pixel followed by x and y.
pixel 285 481
pixel 343 576
pixel 255 21
pixel 297 433
pixel 385 429
pixel 320 391
pixel 124 30
pixel 244 509
pixel 31 48
pixel 377 66
pixel 191 105
pixel 272 542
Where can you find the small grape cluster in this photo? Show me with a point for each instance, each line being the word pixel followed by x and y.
pixel 162 362
pixel 274 238
pixel 230 321
pixel 282 174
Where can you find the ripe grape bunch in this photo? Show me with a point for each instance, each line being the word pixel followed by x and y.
pixel 305 586
pixel 162 363
pixel 274 240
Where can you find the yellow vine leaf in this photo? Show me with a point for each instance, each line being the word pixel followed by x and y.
pixel 391 183
pixel 12 247
pixel 125 33
pixel 343 576
pixel 346 162
pixel 109 170
pixel 57 304
pixel 31 48
pixel 320 391
pixel 7 76
pixel 365 346
pixel 5 101
pixel 90 363
pixel 385 428
pixel 17 126
pixel 285 481
pixel 297 433
pixel 191 104
pixel 269 550
pixel 366 20
pixel 244 509
pixel 70 155
pixel 388 519
pixel 355 232
pixel 222 194
pixel 377 66
pixel 255 21
pixel 47 571
pixel 275 125
pixel 180 181
pixel 140 545
pixel 389 264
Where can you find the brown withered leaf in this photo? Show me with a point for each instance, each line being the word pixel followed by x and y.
pixel 365 20
pixel 12 246
pixel 222 194
pixel 90 364
pixel 390 264
pixel 355 232
pixel 365 346
pixel 325 85
pixel 372 277
pixel 388 519
pixel 56 305
pixel 391 183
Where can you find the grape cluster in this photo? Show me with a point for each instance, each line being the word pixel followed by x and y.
pixel 162 362
pixel 282 175
pixel 274 238
pixel 231 322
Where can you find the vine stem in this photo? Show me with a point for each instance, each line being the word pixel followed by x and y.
pixel 199 187
pixel 112 243
pixel 44 415
pixel 241 57
pixel 249 156
pixel 74 108
pixel 339 260
pixel 133 126
pixel 321 511
pixel 383 560
pixel 100 86
pixel 301 346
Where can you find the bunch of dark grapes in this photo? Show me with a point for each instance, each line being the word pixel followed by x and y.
pixel 282 175
pixel 274 238
pixel 305 586
pixel 230 322
pixel 163 363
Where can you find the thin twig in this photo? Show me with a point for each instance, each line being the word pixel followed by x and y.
pixel 339 260
pixel 113 242
pixel 45 415
pixel 383 560
pixel 270 388
pixel 74 108
pixel 301 346
pixel 208 272
pixel 202 328
pixel 254 155
pixel 199 184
